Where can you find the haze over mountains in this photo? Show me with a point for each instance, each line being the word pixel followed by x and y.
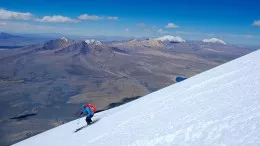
pixel 8 40
pixel 22 39
pixel 54 78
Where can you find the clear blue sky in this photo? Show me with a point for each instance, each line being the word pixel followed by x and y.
pixel 233 21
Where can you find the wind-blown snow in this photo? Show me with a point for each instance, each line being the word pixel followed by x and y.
pixel 214 40
pixel 170 38
pixel 217 107
pixel 64 38
pixel 95 42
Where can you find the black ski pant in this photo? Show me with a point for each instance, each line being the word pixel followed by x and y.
pixel 88 119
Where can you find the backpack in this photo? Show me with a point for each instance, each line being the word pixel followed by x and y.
pixel 91 106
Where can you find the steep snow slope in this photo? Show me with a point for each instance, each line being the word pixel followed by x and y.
pixel 217 107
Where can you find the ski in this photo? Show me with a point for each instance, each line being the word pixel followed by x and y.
pixel 80 128
pixel 94 121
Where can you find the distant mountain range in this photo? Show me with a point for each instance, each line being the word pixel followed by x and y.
pixel 7 39
pixel 4 35
pixel 53 78
pixel 12 39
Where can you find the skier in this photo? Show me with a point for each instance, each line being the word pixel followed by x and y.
pixel 88 110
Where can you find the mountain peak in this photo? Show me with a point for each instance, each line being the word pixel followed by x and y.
pixel 93 42
pixel 214 40
pixel 175 39
pixel 56 44
pixel 64 38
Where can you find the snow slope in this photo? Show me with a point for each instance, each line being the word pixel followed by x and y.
pixel 217 107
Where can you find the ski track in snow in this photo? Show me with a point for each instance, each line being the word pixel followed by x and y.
pixel 217 107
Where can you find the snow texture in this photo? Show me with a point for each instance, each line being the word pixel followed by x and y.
pixel 64 38
pixel 92 41
pixel 170 38
pixel 216 107
pixel 214 40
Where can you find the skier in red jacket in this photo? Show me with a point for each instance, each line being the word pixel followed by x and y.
pixel 88 110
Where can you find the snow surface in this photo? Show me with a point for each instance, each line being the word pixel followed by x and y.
pixel 214 40
pixel 92 41
pixel 170 38
pixel 217 107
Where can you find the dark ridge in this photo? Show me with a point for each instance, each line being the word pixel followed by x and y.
pixel 119 50
pixel 10 47
pixel 179 79
pixel 173 42
pixel 123 101
pixel 22 117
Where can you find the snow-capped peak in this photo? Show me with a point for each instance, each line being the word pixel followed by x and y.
pixel 92 41
pixel 170 38
pixel 64 38
pixel 214 40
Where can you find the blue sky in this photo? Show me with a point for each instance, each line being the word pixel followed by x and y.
pixel 233 21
